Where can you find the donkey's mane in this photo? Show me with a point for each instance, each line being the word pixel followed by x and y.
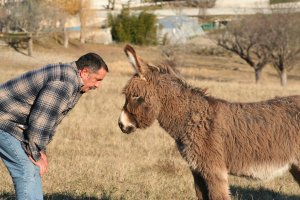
pixel 168 69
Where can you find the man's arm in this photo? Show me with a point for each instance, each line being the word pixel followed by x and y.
pixel 48 106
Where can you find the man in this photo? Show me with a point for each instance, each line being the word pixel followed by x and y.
pixel 31 107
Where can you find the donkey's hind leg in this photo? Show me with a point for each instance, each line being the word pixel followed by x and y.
pixel 295 171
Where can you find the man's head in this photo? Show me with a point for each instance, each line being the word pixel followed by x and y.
pixel 92 69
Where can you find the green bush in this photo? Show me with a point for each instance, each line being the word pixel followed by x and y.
pixel 139 29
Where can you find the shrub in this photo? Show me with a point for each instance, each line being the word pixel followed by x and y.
pixel 139 29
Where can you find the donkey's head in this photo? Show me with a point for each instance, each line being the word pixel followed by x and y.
pixel 142 104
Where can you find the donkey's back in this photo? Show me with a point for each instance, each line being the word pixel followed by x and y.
pixel 261 140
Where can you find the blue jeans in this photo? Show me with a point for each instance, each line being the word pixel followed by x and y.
pixel 25 175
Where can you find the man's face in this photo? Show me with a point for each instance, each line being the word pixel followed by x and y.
pixel 91 80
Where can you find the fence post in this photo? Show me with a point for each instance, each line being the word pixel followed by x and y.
pixel 30 44
pixel 66 38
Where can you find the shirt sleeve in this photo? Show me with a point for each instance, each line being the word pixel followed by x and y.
pixel 48 106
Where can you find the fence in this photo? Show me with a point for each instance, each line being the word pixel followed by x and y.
pixel 17 40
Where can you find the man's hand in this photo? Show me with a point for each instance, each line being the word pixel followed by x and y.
pixel 42 163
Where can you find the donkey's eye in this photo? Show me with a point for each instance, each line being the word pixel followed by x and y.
pixel 139 99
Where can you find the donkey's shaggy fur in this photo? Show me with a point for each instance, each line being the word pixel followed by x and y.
pixel 258 140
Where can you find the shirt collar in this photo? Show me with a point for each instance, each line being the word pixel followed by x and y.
pixel 73 64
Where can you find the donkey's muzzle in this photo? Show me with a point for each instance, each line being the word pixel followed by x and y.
pixel 126 129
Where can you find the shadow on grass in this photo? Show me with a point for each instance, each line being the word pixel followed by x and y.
pixel 62 196
pixel 238 193
pixel 17 49
pixel 259 194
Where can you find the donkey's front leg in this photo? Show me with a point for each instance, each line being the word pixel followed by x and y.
pixel 200 186
pixel 211 184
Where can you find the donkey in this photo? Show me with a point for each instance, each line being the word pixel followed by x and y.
pixel 259 140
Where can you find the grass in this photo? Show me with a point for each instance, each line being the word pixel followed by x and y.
pixel 91 159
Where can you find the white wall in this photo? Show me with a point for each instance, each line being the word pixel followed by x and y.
pixel 99 4
pixel 241 3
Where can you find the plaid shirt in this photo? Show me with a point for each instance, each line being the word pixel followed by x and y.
pixel 33 104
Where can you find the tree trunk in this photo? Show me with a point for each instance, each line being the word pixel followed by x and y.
pixel 202 12
pixel 283 77
pixel 82 21
pixel 258 75
pixel 30 45
pixel 82 37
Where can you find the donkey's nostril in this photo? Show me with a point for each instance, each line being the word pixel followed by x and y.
pixel 126 129
pixel 121 125
pixel 130 129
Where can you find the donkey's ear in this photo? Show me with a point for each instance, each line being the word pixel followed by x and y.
pixel 133 59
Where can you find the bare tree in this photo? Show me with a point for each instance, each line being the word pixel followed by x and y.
pixel 283 41
pixel 3 16
pixel 74 7
pixel 68 8
pixel 243 37
pixel 202 6
pixel 31 17
pixel 84 16
pixel 263 39
pixel 177 6
pixel 71 7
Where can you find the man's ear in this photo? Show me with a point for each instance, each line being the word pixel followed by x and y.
pixel 84 73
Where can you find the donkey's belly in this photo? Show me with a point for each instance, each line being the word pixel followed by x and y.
pixel 263 171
